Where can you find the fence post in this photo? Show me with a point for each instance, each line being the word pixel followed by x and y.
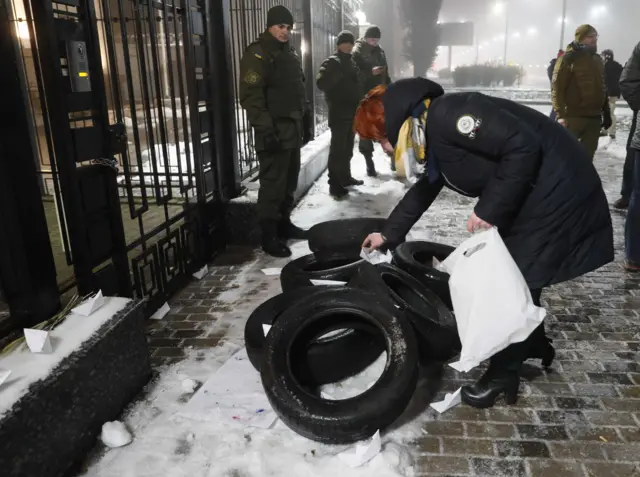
pixel 224 124
pixel 27 268
pixel 307 59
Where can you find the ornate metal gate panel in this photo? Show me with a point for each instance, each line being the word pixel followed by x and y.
pixel 125 91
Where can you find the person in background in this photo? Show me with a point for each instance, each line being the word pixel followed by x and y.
pixel 612 72
pixel 578 90
pixel 630 89
pixel 550 68
pixel 627 172
pixel 338 78
pixel 374 70
pixel 272 92
pixel 534 183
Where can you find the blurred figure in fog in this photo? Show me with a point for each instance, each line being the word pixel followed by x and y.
pixel 578 91
pixel 374 70
pixel 338 78
pixel 612 72
pixel 550 68
pixel 630 89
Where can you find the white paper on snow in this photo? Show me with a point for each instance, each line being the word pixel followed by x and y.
pixel 266 328
pixel 38 341
pixel 375 257
pixel 331 283
pixel 272 272
pixel 363 452
pixel 90 306
pixel 450 400
pixel 162 312
pixel 200 274
pixel 4 375
pixel 234 392
pixel 491 300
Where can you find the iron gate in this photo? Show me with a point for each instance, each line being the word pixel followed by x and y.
pixel 123 106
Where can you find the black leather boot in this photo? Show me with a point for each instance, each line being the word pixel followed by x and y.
pixel 352 181
pixel 371 167
pixel 337 191
pixel 495 382
pixel 540 347
pixel 288 231
pixel 271 243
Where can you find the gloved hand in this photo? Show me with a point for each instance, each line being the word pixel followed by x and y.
pixel 271 142
pixel 308 132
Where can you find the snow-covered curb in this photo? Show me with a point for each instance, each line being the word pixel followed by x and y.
pixel 27 368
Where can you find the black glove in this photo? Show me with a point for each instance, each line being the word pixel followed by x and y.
pixel 271 142
pixel 607 122
pixel 308 131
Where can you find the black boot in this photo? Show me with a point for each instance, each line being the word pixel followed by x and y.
pixel 621 204
pixel 271 243
pixel 353 182
pixel 495 381
pixel 371 167
pixel 288 231
pixel 540 347
pixel 337 191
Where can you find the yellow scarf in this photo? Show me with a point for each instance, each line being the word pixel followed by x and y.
pixel 412 143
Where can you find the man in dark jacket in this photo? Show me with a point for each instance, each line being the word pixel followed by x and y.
pixel 612 72
pixel 374 70
pixel 534 183
pixel 338 78
pixel 552 64
pixel 630 88
pixel 578 92
pixel 272 93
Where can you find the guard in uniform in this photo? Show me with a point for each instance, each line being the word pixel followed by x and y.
pixel 338 78
pixel 374 71
pixel 272 93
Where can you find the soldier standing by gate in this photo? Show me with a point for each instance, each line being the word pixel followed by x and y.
pixel 338 78
pixel 374 71
pixel 273 94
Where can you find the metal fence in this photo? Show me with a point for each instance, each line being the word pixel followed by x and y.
pixel 248 21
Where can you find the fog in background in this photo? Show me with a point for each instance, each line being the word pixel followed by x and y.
pixel 533 33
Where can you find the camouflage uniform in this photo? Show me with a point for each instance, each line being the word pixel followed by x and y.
pixel 273 94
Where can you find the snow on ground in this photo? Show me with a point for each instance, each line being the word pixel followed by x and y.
pixel 169 445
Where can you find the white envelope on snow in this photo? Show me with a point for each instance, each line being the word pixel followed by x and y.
pixel 491 299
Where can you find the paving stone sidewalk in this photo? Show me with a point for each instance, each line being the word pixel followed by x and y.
pixel 580 420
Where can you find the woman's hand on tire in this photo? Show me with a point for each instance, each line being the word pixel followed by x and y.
pixel 373 241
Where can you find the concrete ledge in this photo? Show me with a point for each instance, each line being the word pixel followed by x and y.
pixel 55 423
pixel 240 216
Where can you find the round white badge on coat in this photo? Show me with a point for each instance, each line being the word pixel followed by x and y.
pixel 466 124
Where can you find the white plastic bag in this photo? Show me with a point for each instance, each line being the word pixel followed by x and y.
pixel 491 299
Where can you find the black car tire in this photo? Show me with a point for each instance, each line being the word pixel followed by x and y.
pixel 321 266
pixel 342 235
pixel 329 359
pixel 416 258
pixel 434 323
pixel 357 418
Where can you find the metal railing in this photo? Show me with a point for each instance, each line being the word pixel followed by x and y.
pixel 248 21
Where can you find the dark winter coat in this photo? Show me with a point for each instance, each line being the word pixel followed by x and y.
pixel 533 179
pixel 551 68
pixel 630 89
pixel 578 89
pixel 339 79
pixel 367 57
pixel 612 72
pixel 272 91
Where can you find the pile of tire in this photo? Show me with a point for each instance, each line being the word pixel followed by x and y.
pixel 312 335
